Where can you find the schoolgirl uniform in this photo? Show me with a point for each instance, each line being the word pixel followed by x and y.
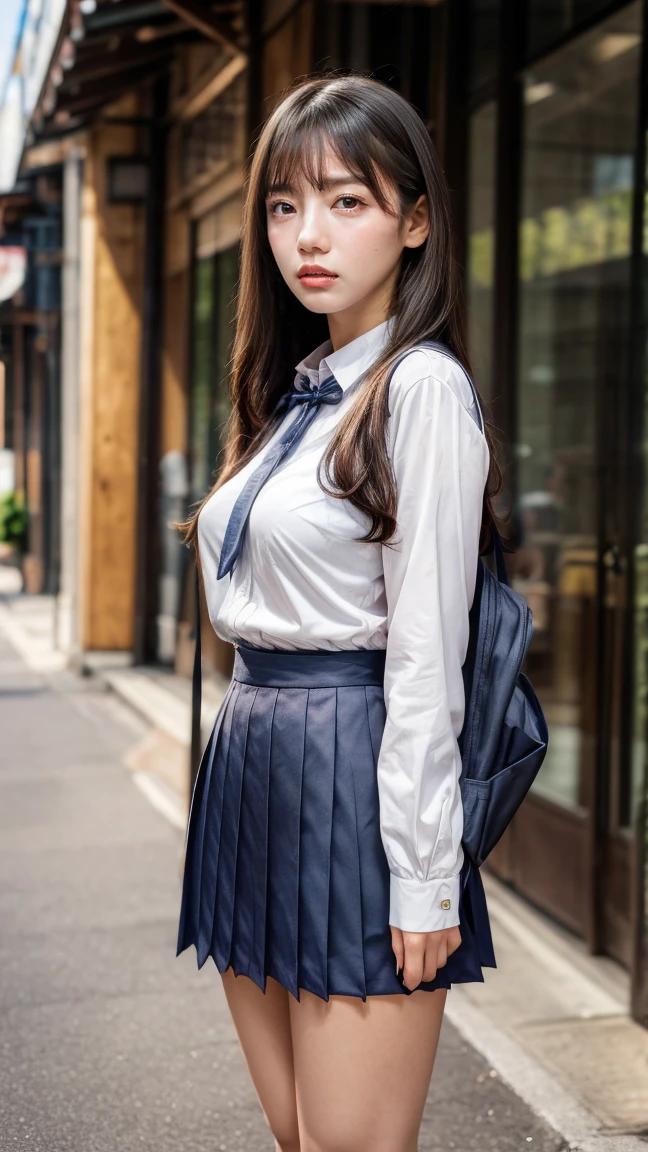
pixel 327 804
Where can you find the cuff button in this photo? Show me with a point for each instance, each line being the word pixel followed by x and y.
pixel 445 904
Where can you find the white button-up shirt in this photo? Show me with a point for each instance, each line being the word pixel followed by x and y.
pixel 303 580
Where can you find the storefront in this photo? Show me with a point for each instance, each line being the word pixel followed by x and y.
pixel 555 180
pixel 30 353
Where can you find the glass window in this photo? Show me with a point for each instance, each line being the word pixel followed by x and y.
pixel 227 264
pixel 201 466
pixel 484 42
pixel 400 44
pixel 639 774
pixel 579 139
pixel 213 332
pixel 481 244
pixel 640 712
pixel 549 20
pixel 216 137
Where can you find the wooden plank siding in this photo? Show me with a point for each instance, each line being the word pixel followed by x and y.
pixel 288 53
pixel 110 397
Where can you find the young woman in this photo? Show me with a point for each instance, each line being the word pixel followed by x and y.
pixel 324 869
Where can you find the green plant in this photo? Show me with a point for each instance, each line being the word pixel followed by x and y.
pixel 13 520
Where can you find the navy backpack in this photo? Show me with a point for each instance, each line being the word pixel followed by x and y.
pixel 504 736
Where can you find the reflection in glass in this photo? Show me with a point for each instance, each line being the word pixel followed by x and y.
pixel 227 263
pixel 400 44
pixel 484 42
pixel 639 777
pixel 481 244
pixel 213 331
pixel 549 20
pixel 639 765
pixel 202 366
pixel 574 271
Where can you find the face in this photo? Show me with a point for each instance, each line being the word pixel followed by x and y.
pixel 337 249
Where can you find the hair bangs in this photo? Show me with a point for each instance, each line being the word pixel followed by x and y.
pixel 306 138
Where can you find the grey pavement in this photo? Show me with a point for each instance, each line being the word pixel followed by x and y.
pixel 107 1040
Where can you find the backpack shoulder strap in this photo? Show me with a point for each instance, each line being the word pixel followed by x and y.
pixel 498 547
pixel 502 574
pixel 445 351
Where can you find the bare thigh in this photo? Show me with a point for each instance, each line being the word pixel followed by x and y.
pixel 362 1070
pixel 262 1022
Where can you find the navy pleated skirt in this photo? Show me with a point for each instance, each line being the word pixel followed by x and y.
pixel 285 873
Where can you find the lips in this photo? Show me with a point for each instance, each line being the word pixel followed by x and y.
pixel 314 276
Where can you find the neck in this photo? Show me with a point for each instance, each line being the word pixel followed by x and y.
pixel 355 321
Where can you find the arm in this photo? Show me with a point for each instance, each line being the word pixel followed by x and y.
pixel 440 462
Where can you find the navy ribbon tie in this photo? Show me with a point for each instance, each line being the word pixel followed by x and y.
pixel 308 395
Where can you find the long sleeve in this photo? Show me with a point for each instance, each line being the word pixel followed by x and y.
pixel 440 463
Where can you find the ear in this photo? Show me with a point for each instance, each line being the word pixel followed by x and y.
pixel 417 224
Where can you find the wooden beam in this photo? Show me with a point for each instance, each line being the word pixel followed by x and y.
pixel 187 192
pixel 112 291
pixel 45 155
pixel 207 87
pixel 99 93
pixel 112 63
pixel 151 32
pixel 196 14
pixel 21 317
pixel 230 183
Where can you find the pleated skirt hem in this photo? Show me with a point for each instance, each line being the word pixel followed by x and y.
pixel 284 979
pixel 285 873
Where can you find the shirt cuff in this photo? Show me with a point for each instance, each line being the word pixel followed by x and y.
pixel 423 905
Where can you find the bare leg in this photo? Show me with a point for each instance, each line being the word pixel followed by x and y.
pixel 262 1023
pixel 362 1070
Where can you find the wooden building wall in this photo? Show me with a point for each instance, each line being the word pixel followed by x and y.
pixel 112 263
pixel 287 51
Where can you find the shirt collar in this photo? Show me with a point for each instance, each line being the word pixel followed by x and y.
pixel 349 362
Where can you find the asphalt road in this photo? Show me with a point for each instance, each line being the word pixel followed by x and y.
pixel 107 1041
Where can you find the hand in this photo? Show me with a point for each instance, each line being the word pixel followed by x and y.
pixel 421 954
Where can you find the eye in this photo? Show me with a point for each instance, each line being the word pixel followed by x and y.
pixel 348 203
pixel 281 208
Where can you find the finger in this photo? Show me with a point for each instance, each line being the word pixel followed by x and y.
pixel 453 941
pixel 398 948
pixel 413 963
pixel 442 954
pixel 431 962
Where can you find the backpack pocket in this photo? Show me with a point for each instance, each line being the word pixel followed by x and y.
pixel 490 805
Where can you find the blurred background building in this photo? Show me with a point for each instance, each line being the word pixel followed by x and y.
pixel 124 131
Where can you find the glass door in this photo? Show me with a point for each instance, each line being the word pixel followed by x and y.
pixel 216 275
pixel 637 798
pixel 569 846
pixel 480 282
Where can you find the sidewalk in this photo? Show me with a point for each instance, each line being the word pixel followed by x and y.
pixel 160 759
pixel 109 1040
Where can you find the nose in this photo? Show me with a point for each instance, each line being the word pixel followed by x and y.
pixel 313 234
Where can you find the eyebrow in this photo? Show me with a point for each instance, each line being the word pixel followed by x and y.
pixel 327 185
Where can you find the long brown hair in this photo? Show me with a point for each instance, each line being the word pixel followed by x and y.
pixel 380 139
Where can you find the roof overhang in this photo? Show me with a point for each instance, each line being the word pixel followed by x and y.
pixel 93 52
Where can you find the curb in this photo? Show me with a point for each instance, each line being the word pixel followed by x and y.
pixel 533 1083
